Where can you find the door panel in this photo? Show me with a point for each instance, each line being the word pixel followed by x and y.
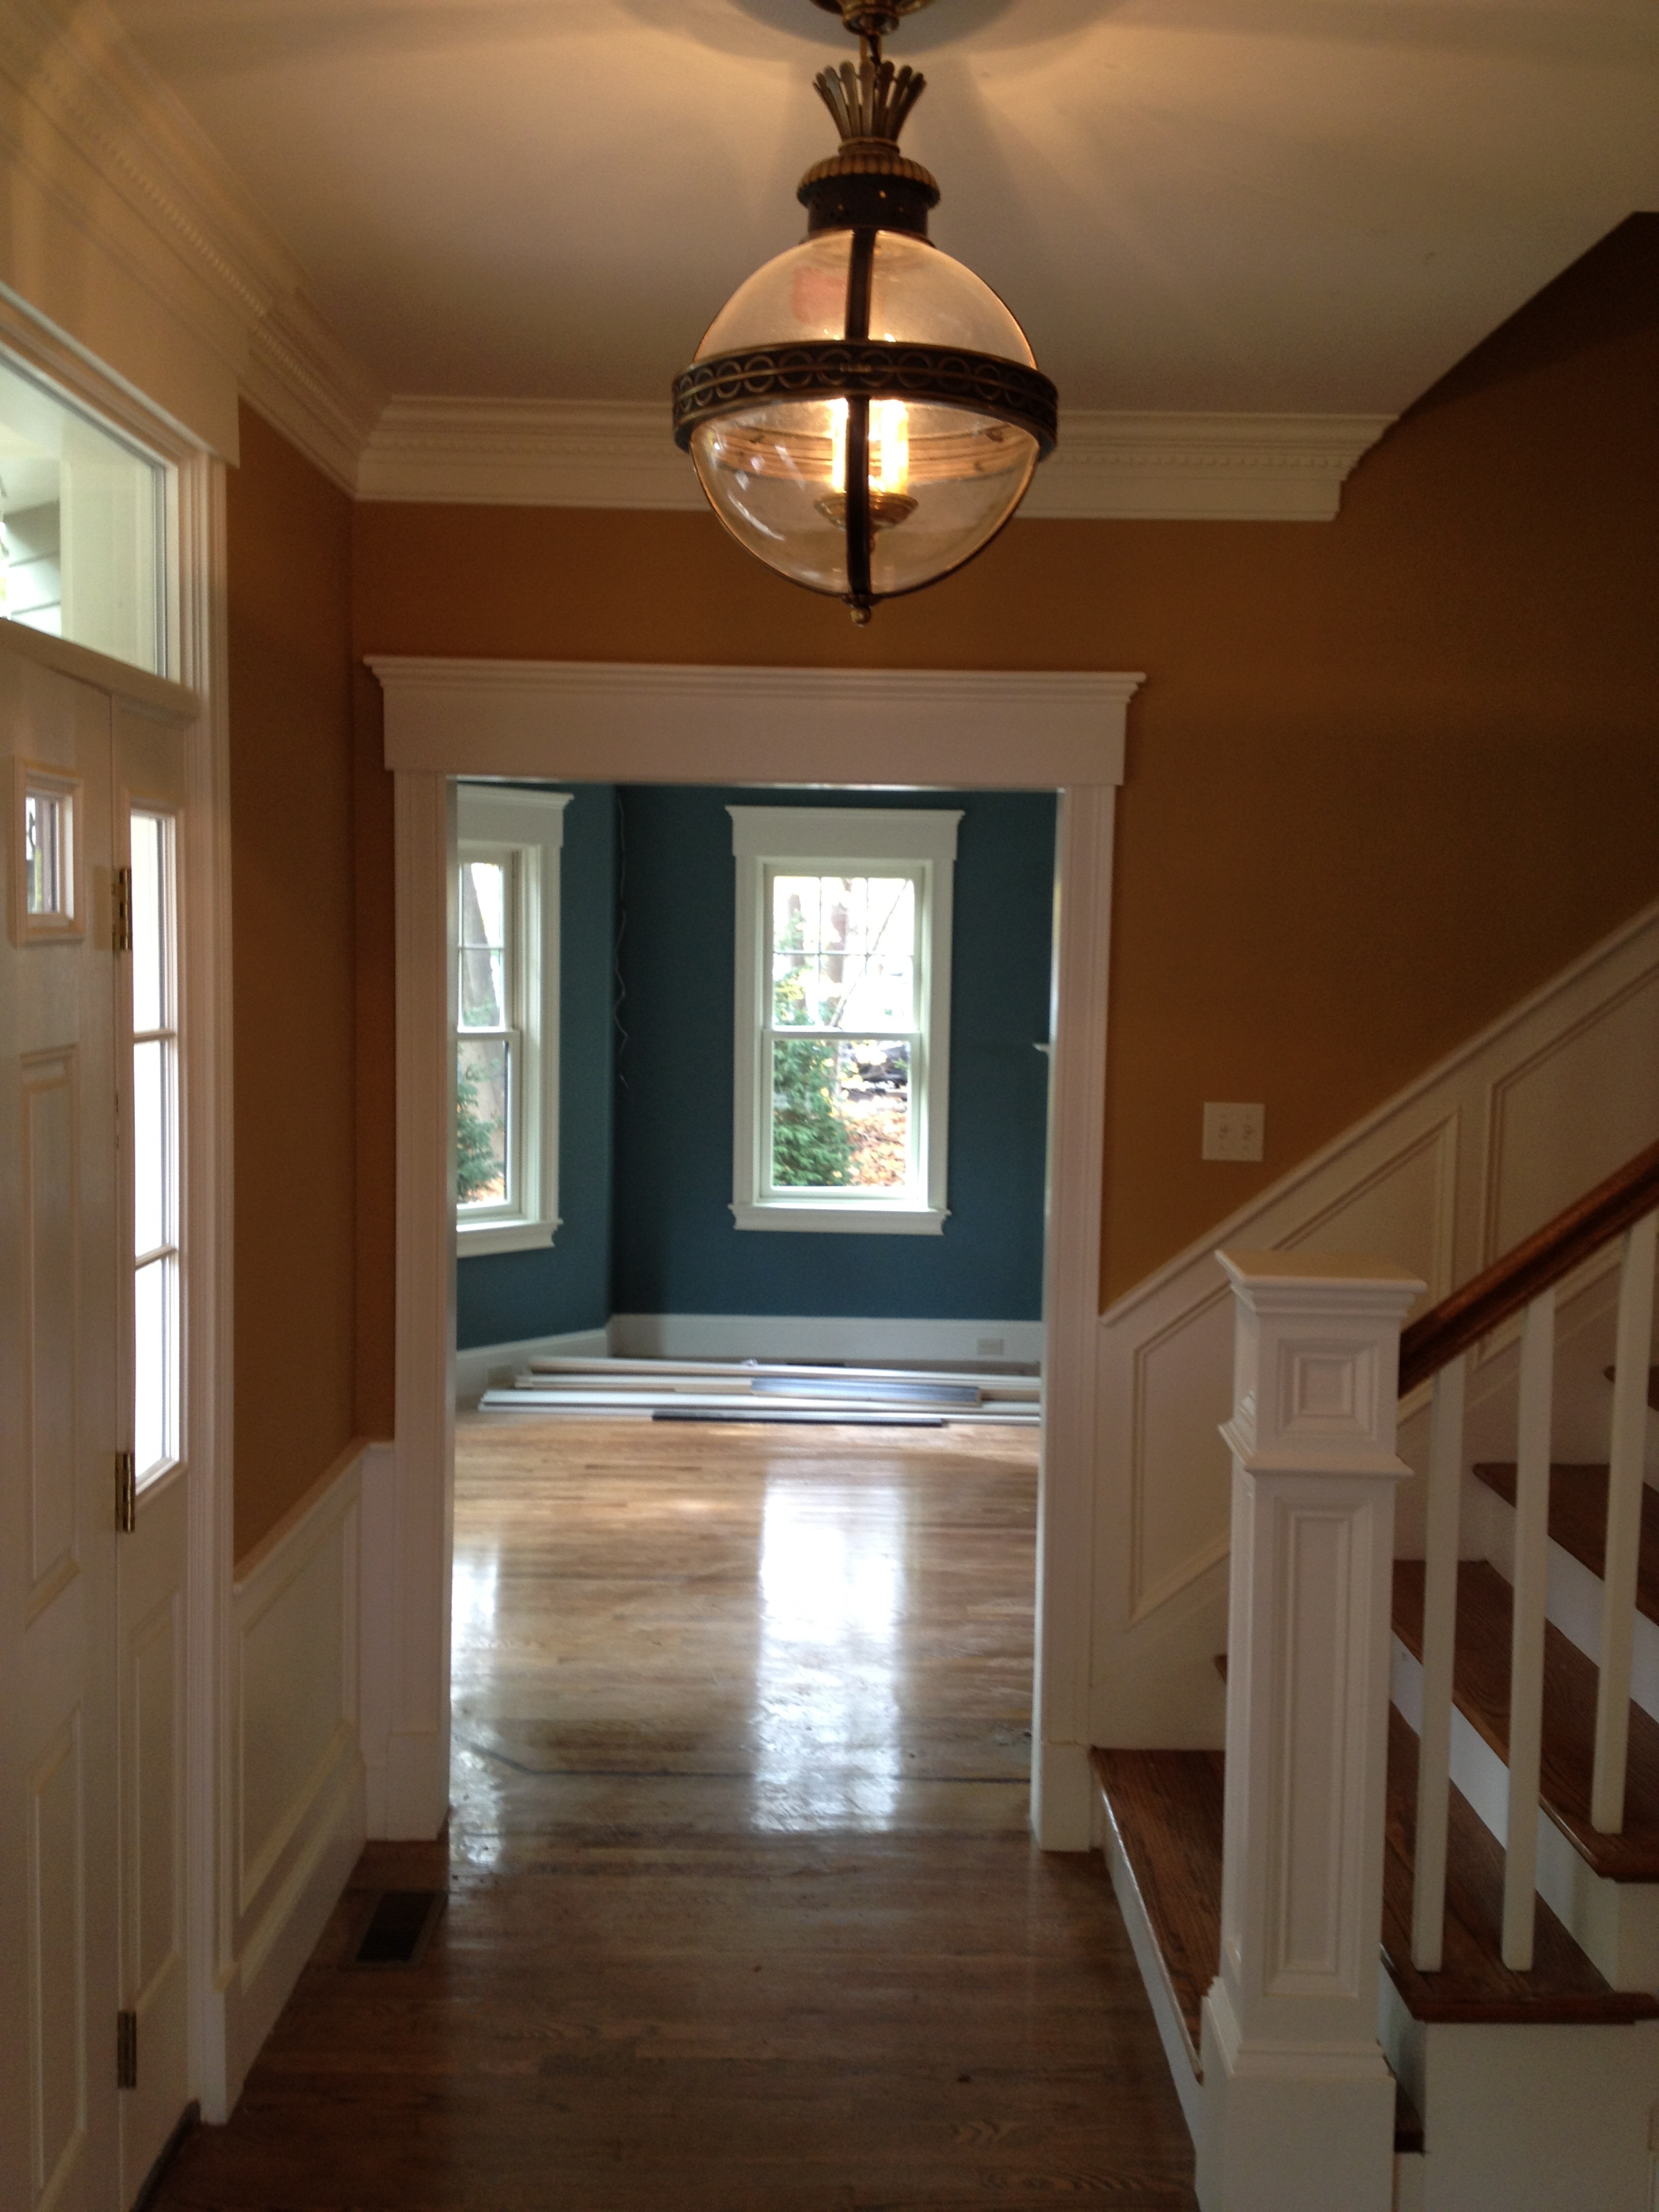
pixel 58 1434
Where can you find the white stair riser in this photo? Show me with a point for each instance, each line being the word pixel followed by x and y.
pixel 1574 1604
pixel 1525 2120
pixel 1615 1924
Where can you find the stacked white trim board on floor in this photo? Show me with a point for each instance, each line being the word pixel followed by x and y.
pixel 771 1391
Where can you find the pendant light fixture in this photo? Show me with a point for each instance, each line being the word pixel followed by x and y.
pixel 864 413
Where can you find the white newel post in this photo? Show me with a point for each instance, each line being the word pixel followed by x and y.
pixel 1298 2099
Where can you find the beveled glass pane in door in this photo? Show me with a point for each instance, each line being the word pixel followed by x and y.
pixel 150 994
pixel 152 1153
pixel 155 1355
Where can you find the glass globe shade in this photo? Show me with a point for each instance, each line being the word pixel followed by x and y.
pixel 943 475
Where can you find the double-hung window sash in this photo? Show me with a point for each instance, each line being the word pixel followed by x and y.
pixel 490 1036
pixel 844 1049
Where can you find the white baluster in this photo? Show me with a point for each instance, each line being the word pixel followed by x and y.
pixel 1630 1416
pixel 1298 2099
pixel 1532 1541
pixel 1445 1483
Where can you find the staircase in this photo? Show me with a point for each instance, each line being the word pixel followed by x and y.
pixel 1517 2004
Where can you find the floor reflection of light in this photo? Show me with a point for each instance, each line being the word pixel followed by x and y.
pixel 472 1599
pixel 475 1784
pixel 826 1719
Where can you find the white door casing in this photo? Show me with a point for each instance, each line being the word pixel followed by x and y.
pixel 899 730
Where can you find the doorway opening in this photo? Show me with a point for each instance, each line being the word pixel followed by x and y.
pixel 890 731
pixel 782 1024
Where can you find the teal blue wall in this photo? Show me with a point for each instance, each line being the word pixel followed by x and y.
pixel 507 1295
pixel 676 1248
pixel 645 1173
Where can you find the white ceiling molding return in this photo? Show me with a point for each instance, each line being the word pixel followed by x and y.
pixel 1169 467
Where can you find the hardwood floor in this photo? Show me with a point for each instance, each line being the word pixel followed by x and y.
pixel 743 1909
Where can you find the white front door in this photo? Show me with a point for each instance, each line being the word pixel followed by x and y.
pixel 61 1425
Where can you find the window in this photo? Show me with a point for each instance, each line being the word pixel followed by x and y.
pixel 82 528
pixel 46 896
pixel 843 1017
pixel 155 1146
pixel 507 1018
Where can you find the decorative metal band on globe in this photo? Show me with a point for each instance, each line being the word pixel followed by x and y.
pixel 837 370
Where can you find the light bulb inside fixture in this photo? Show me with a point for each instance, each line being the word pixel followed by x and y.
pixel 890 446
pixel 838 412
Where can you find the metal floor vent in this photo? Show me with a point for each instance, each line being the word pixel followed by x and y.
pixel 400 1927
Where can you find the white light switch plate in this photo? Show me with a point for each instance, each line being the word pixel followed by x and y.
pixel 1232 1131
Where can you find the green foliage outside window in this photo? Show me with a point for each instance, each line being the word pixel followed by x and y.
pixel 811 1147
pixel 475 1165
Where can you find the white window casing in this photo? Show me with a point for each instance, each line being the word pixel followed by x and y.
pixel 849 841
pixel 525 828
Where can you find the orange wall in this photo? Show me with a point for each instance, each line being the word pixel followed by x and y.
pixel 294 975
pixel 1385 774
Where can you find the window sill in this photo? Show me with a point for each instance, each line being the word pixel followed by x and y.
pixel 853 1217
pixel 474 1240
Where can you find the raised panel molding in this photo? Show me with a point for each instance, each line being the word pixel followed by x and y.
pixel 297 1815
pixel 561 452
pixel 1427 1181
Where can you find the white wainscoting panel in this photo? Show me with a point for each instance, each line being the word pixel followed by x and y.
pixel 297 1773
pixel 1476 1155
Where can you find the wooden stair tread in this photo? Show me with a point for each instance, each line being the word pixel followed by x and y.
pixel 1578 1521
pixel 1166 1808
pixel 1481 1688
pixel 1474 1985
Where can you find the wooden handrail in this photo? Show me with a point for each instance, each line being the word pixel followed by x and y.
pixel 1515 1280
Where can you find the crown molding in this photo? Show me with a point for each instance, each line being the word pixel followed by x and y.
pixel 316 392
pixel 1201 467
pixel 553 453
pixel 123 227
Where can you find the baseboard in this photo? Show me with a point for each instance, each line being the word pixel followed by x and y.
pixel 486 1366
pixel 803 1336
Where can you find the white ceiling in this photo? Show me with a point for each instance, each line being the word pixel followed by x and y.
pixel 1250 204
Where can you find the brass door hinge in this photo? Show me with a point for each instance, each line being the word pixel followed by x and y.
pixel 126 2051
pixel 126 1493
pixel 120 934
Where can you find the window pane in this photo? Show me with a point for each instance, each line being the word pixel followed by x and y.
pixel 483 902
pixel 154 1351
pixel 841 1113
pixel 484 989
pixel 149 1007
pixel 483 995
pixel 43 851
pixel 482 1068
pixel 80 535
pixel 843 952
pixel 150 1149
